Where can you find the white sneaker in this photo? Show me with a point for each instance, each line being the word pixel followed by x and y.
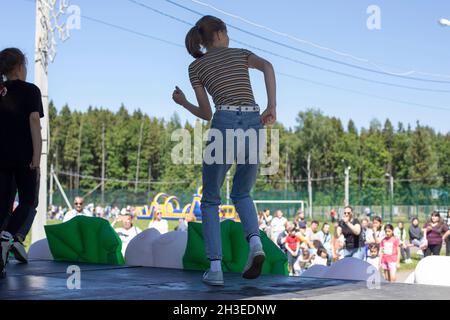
pixel 408 261
pixel 420 252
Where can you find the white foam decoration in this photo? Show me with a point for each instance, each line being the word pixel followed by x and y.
pixel 139 251
pixel 316 271
pixel 433 270
pixel 168 250
pixel 410 279
pixel 345 269
pixel 40 250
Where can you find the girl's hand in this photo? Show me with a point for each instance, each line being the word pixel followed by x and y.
pixel 269 116
pixel 398 265
pixel 35 162
pixel 178 96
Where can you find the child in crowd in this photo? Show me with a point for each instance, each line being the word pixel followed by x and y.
pixel 292 246
pixel 400 234
pixel 305 260
pixel 390 254
pixel 337 244
pixel 373 255
pixel 321 257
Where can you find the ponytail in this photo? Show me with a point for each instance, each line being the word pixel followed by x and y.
pixel 3 89
pixel 193 42
pixel 10 58
pixel 202 35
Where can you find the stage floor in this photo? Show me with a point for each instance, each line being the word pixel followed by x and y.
pixel 42 280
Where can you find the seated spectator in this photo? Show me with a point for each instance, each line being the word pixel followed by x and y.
pixel 373 255
pixel 261 221
pixel 416 238
pixel 312 232
pixel 128 230
pixel 400 234
pixel 277 225
pixel 305 244
pixel 337 244
pixel 300 218
pixel 282 237
pixel 304 261
pixel 324 237
pixel 158 223
pixel 315 247
pixel 267 218
pixel 376 233
pixel 183 222
pixel 320 258
pixel 78 210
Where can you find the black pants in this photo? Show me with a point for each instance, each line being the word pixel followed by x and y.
pixel 447 246
pixel 26 181
pixel 434 249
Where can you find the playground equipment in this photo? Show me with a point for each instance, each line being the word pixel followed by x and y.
pixel 171 209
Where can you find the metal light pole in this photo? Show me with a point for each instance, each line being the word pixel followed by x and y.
pixel 391 191
pixel 347 185
pixel 45 51
pixel 41 80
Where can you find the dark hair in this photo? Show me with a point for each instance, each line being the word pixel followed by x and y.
pixel 389 226
pixel 436 214
pixel 317 244
pixel 325 224
pixel 315 222
pixel 414 218
pixel 374 245
pixel 378 218
pixel 202 34
pixel 320 250
pixel 10 58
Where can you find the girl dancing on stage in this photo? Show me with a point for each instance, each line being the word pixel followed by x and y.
pixel 223 73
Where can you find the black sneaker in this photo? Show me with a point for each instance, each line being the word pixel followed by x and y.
pixel 19 252
pixel 5 245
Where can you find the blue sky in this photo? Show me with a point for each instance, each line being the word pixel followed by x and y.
pixel 105 67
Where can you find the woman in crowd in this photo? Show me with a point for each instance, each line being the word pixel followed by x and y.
pixel 435 231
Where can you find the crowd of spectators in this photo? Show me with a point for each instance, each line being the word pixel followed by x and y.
pixel 308 243
pixel 367 238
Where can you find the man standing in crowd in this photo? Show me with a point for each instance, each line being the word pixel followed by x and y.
pixel 351 229
pixel 78 210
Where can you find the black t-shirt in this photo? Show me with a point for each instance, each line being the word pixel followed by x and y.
pixel 16 147
pixel 351 241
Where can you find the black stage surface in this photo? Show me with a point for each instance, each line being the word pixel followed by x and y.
pixel 43 280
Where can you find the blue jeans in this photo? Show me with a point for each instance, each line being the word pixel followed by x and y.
pixel 244 179
pixel 355 253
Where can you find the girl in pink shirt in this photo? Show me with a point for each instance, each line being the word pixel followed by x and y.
pixel 390 254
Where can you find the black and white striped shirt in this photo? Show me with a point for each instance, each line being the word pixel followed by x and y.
pixel 224 73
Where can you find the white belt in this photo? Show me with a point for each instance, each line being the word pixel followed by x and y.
pixel 238 108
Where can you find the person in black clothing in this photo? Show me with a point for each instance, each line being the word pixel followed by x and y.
pixel 20 150
pixel 351 229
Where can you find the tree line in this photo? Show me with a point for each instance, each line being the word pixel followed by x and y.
pixel 417 158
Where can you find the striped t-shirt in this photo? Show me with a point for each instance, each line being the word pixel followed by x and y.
pixel 224 74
